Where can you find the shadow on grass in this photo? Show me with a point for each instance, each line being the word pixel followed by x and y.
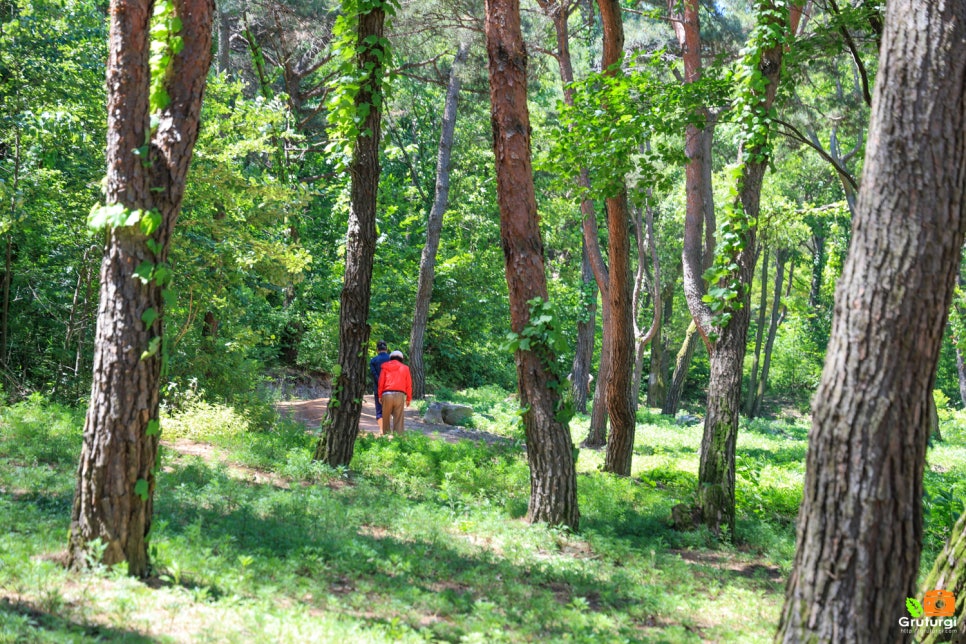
pixel 355 551
pixel 28 624
pixel 776 457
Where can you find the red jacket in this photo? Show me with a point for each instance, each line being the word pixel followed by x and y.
pixel 395 377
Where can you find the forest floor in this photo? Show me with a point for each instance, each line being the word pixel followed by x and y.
pixel 422 540
pixel 311 412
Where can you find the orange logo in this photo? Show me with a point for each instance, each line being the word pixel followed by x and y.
pixel 939 603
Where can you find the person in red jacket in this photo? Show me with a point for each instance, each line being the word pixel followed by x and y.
pixel 395 393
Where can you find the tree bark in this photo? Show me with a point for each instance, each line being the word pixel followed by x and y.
pixel 643 250
pixel 592 263
pixel 716 471
pixel 224 41
pixel 860 524
pixel 553 481
pixel 434 225
pixel 341 424
pixel 620 407
pixel 681 365
pixel 777 315
pixel 116 474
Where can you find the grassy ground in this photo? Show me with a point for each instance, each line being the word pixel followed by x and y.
pixel 422 541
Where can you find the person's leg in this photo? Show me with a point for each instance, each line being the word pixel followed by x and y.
pixel 375 394
pixel 398 419
pixel 389 403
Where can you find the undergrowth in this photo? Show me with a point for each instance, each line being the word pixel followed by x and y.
pixel 422 540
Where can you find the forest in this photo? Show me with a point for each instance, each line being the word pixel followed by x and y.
pixel 690 270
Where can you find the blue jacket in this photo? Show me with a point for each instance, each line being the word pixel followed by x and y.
pixel 375 367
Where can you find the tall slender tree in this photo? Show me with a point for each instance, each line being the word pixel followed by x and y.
pixel 434 224
pixel 860 524
pixel 553 480
pixel 156 72
pixel 341 424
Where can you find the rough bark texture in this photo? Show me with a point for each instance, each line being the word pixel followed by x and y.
pixel 620 405
pixel 553 481
pixel 948 573
pixel 434 226
pixel 681 365
pixel 341 425
pixel 860 525
pixel 118 456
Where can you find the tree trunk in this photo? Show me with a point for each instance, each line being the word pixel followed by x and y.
pixel 860 523
pixel 8 255
pixel 777 315
pixel 116 475
pixel 716 471
pixel 434 226
pixel 597 433
pixel 620 407
pixel 948 573
pixel 341 424
pixel 819 260
pixel 586 332
pixel 553 481
pixel 961 371
pixel 681 365
pixel 657 377
pixel 592 263
pixel 224 41
pixel 645 338
pixel 759 334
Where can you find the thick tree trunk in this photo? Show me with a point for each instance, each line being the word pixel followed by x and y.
pixel 341 425
pixel 860 524
pixel 681 365
pixel 116 475
pixel 777 314
pixel 759 334
pixel 553 480
pixel 434 226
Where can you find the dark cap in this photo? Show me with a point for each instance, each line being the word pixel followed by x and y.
pixel 381 345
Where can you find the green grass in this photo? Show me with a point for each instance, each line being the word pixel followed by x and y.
pixel 423 540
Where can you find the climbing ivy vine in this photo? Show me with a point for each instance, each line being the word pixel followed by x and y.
pixel 753 115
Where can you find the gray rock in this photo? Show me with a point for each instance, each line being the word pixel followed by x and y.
pixel 687 419
pixel 456 414
pixel 434 413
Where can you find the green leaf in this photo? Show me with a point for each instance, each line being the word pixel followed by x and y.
pixel 144 271
pixel 169 296
pixel 914 607
pixel 149 316
pixel 141 489
pixel 153 428
pixel 152 349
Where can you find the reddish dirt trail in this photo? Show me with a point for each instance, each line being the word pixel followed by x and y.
pixel 311 412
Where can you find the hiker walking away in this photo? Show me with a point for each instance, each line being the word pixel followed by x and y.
pixel 375 367
pixel 395 392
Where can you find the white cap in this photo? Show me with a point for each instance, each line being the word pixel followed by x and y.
pixel 396 354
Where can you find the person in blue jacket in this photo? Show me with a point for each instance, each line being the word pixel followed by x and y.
pixel 375 368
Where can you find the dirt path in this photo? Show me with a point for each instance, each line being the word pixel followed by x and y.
pixel 311 412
